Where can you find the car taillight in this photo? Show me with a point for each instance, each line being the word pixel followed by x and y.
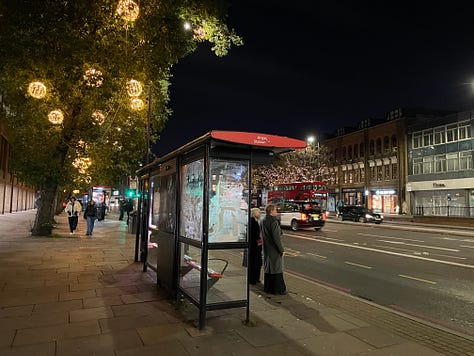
pixel 304 217
pixel 324 216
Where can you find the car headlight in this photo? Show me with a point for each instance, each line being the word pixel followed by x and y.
pixel 381 216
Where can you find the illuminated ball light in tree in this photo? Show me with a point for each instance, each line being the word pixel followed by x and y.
pixel 56 117
pixel 137 104
pixel 134 88
pixel 93 78
pixel 128 10
pixel 98 117
pixel 37 90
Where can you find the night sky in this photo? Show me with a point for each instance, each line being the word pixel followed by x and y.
pixel 310 67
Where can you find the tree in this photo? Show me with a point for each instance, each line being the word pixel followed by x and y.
pixel 306 165
pixel 84 54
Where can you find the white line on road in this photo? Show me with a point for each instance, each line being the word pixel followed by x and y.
pixel 389 237
pixel 424 246
pixel 330 238
pixel 315 254
pixel 357 265
pixel 382 251
pixel 417 279
pixel 466 246
pixel 450 238
pixel 459 258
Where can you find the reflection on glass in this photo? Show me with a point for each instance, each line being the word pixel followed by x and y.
pixel 192 184
pixel 189 273
pixel 228 201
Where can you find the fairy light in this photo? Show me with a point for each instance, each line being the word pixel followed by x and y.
pixel 56 117
pixel 136 104
pixel 134 88
pixel 82 164
pixel 93 77
pixel 98 117
pixel 128 10
pixel 37 90
pixel 199 33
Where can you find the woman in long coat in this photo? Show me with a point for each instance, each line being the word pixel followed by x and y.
pixel 255 248
pixel 273 253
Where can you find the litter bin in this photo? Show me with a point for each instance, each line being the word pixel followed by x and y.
pixel 132 222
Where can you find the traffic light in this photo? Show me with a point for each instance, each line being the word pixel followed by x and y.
pixel 131 193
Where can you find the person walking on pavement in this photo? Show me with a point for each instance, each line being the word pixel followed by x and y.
pixel 273 252
pixel 90 214
pixel 73 208
pixel 255 247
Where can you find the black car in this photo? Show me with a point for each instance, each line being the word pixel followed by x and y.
pixel 358 213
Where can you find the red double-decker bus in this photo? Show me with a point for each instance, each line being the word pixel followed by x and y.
pixel 300 191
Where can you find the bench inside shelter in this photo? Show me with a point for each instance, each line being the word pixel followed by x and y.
pixel 212 275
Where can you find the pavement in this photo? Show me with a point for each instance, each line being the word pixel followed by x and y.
pixel 79 295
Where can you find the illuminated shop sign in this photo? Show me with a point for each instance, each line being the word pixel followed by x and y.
pixel 385 192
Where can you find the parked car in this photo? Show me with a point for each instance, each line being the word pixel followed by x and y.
pixel 297 215
pixel 358 213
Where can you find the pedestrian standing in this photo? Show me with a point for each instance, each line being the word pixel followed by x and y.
pixel 90 214
pixel 273 252
pixel 73 208
pixel 255 247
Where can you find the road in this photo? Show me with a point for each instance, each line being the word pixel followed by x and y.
pixel 426 273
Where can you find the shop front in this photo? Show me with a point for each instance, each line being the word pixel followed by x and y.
pixel 384 201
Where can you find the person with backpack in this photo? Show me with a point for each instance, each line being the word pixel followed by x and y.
pixel 90 214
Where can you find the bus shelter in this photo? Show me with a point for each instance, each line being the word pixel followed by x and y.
pixel 194 214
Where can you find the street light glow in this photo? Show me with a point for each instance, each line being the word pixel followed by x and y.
pixel 310 139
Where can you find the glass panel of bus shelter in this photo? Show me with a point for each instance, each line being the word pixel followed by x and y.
pixel 191 209
pixel 228 200
pixel 227 277
pixel 153 220
pixel 190 270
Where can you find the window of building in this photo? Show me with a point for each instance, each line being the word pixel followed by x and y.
pixel 361 149
pixel 371 147
pixel 362 174
pixel 387 172
pixel 356 151
pixel 344 152
pixel 379 173
pixel 452 133
pixel 351 176
pixel 427 138
pixel 452 162
pixel 417 137
pixel 349 152
pixel 464 130
pixel 394 141
pixel 439 135
pixel 356 176
pixel 378 146
pixel 428 164
pixel 465 160
pixel 440 163
pixel 417 165
pixel 394 170
pixel 336 154
pixel 386 144
pixel 372 173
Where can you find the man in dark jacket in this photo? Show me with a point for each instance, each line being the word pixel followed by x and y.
pixel 273 252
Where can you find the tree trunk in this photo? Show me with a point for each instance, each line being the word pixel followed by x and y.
pixel 44 221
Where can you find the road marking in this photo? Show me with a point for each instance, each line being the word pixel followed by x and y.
pixel 466 246
pixel 467 240
pixel 389 237
pixel 417 279
pixel 382 251
pixel 330 230
pixel 450 238
pixel 396 248
pixel 357 265
pixel 330 238
pixel 424 246
pixel 315 254
pixel 459 258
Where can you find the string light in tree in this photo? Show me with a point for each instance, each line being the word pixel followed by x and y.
pixel 98 117
pixel 56 117
pixel 134 88
pixel 128 10
pixel 137 104
pixel 37 90
pixel 82 164
pixel 93 77
pixel 199 33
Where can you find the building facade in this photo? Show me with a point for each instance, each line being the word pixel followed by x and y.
pixel 440 165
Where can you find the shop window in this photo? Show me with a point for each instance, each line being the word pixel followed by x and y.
pixel 378 146
pixel 440 163
pixel 372 147
pixel 417 166
pixel 465 160
pixel 417 143
pixel 464 130
pixel 452 133
pixel 439 135
pixel 452 162
pixel 356 151
pixel 361 149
